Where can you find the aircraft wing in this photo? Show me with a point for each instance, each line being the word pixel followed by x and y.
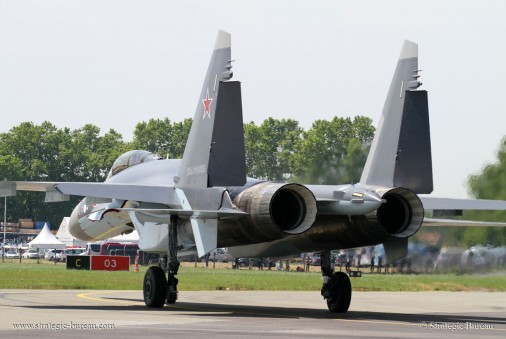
pixel 9 188
pixel 36 186
pixel 59 191
pixel 139 192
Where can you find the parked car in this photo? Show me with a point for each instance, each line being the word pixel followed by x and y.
pixel 315 260
pixel 244 262
pixel 12 255
pixel 188 258
pixel 62 256
pixel 218 255
pixel 31 254
pixel 50 254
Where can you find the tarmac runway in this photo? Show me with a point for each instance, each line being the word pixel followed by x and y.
pixel 238 314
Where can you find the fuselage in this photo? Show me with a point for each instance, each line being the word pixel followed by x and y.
pixel 347 215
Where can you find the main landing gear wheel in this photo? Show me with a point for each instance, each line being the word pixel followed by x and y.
pixel 155 287
pixel 339 287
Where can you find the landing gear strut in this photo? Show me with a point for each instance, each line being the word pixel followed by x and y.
pixel 172 263
pixel 336 287
pixel 157 288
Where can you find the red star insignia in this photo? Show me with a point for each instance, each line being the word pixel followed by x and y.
pixel 207 105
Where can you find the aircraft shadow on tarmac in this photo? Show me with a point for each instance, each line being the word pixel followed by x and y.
pixel 247 311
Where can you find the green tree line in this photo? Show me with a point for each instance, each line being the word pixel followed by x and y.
pixel 330 152
pixel 490 183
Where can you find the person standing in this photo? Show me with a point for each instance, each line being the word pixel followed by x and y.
pixel 380 263
pixel 260 264
pixel 206 257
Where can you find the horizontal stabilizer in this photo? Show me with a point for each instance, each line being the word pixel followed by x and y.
pixel 460 223
pixel 433 203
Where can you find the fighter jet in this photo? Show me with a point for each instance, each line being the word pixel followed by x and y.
pixel 205 200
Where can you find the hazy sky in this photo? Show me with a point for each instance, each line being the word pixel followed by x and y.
pixel 116 63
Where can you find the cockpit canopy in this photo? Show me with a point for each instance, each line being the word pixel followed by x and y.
pixel 131 158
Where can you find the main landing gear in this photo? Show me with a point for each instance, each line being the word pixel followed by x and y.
pixel 158 289
pixel 336 287
pixel 155 287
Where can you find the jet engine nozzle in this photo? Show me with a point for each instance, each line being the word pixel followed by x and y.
pixel 402 213
pixel 277 208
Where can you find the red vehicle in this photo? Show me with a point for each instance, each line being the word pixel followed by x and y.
pixel 129 249
pixel 116 248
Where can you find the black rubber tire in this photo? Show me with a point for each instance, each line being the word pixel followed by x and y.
pixel 155 287
pixel 341 294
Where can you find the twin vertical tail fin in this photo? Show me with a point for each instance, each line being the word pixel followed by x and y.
pixel 214 153
pixel 400 154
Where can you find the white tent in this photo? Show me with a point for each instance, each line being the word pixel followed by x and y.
pixel 65 237
pixel 46 240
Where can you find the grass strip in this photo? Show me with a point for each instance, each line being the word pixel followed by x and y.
pixel 50 276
